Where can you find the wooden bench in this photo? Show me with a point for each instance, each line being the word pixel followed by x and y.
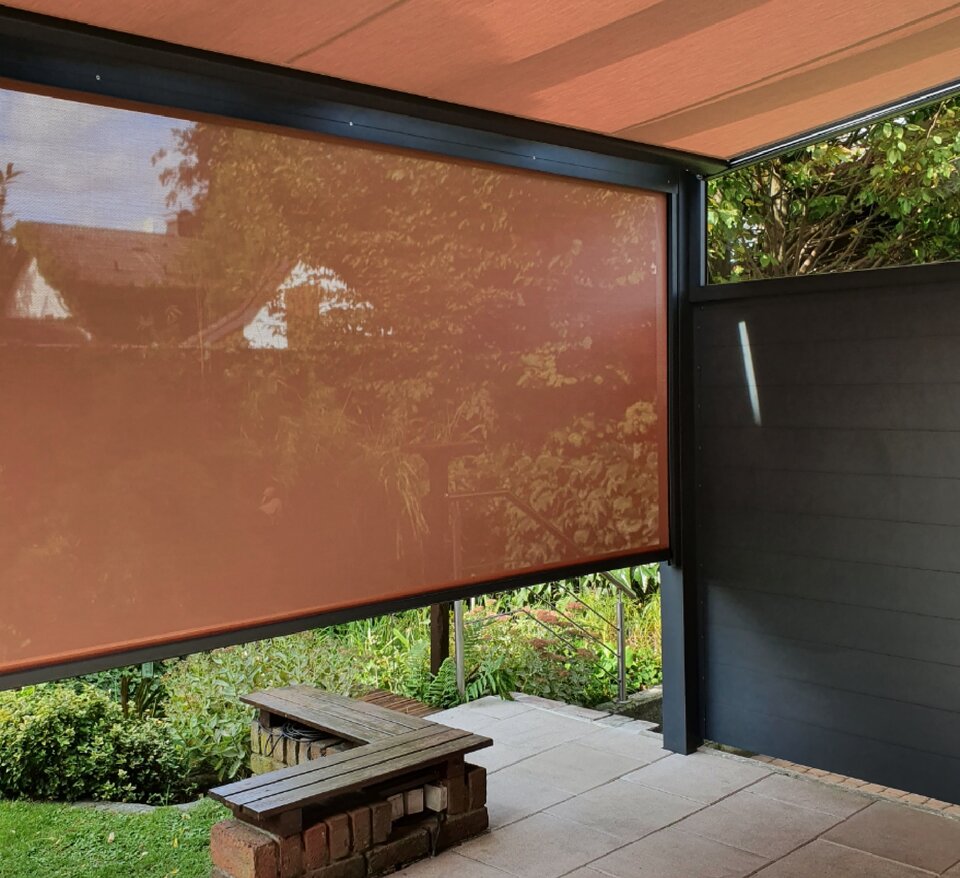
pixel 390 747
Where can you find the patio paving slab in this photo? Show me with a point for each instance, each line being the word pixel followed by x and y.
pixel 542 729
pixel 571 796
pixel 672 853
pixel 635 744
pixel 763 826
pixel 492 706
pixel 704 777
pixel 540 846
pixel 828 859
pixel 451 865
pixel 499 756
pixel 575 767
pixel 626 810
pixel 511 797
pixel 900 833
pixel 810 794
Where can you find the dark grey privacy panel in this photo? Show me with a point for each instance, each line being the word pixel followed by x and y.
pixel 828 523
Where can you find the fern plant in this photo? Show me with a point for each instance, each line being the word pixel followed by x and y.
pixel 485 673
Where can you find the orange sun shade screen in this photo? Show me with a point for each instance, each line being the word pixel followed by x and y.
pixel 252 376
pixel 716 77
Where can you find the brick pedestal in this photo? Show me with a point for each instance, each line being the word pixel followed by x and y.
pixel 358 840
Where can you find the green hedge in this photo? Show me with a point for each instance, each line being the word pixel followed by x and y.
pixel 68 743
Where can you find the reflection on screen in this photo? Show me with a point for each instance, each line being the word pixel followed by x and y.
pixel 250 375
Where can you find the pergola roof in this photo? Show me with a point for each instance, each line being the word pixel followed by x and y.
pixel 721 78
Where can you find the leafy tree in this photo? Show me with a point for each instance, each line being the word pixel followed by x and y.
pixel 447 329
pixel 883 194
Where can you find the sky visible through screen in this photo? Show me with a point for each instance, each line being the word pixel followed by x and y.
pixel 83 164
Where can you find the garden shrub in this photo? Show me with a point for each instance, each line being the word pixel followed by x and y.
pixel 73 742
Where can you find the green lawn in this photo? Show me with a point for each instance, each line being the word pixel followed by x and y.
pixel 60 841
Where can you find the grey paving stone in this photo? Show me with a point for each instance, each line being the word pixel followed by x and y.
pixel 491 705
pixel 626 742
pixel 672 853
pixel 468 720
pixel 575 767
pixel 451 865
pixel 512 796
pixel 627 810
pixel 542 729
pixel 614 720
pixel 811 794
pixel 917 838
pixel 763 826
pixel 704 777
pixel 499 756
pixel 836 861
pixel 540 846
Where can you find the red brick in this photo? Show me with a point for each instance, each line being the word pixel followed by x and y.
pixel 460 827
pixel 476 787
pixel 291 856
pixel 316 850
pixel 406 845
pixel 361 830
pixel 338 836
pixel 243 851
pixel 353 867
pixel 381 822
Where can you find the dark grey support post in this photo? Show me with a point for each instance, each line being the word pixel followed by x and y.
pixel 680 596
pixel 681 664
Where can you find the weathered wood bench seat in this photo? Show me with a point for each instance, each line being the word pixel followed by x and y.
pixel 356 721
pixel 390 746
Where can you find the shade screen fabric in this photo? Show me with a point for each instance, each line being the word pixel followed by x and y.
pixel 715 77
pixel 251 375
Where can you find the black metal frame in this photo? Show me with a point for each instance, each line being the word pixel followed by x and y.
pixel 816 135
pixel 48 53
pixel 865 279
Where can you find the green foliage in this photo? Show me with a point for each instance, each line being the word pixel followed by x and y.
pixel 71 842
pixel 486 672
pixel 138 689
pixel 204 690
pixel 884 194
pixel 73 742
pixel 506 651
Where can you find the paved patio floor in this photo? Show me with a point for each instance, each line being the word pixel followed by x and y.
pixel 572 792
